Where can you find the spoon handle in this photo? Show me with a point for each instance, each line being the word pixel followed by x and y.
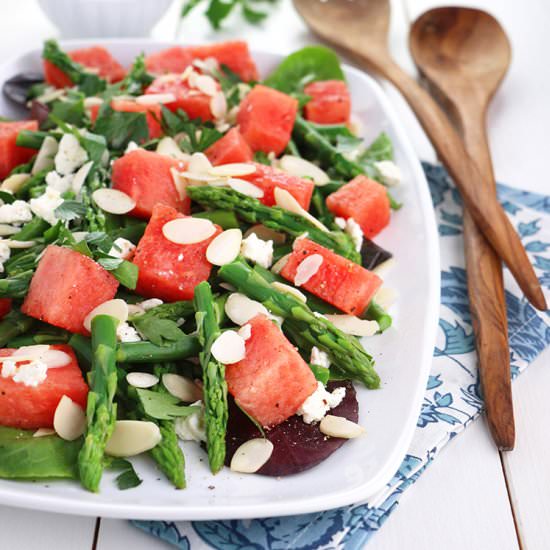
pixel 481 203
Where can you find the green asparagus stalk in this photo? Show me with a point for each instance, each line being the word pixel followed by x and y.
pixel 168 454
pixel 30 139
pixel 224 218
pixel 16 286
pixel 345 351
pixel 100 410
pixel 253 211
pixel 31 230
pixel 376 312
pixel 214 384
pixel 145 352
pixel 14 324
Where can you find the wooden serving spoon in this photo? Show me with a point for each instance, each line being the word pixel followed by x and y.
pixel 360 27
pixel 464 54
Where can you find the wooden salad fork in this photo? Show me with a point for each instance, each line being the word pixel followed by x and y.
pixel 360 27
pixel 464 54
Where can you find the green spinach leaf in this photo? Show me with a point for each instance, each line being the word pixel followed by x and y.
pixel 163 406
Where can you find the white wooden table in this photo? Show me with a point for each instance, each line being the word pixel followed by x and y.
pixel 472 497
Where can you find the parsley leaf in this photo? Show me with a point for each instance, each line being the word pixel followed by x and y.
pixel 137 78
pixel 163 406
pixel 70 210
pixel 119 127
pixel 161 332
pixel 127 479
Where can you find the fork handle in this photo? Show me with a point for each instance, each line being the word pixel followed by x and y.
pixel 479 200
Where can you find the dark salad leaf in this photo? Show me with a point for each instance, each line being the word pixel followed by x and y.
pixel 120 128
pixel 163 406
pixel 128 478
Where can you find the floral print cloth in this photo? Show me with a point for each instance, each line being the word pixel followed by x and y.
pixel 452 397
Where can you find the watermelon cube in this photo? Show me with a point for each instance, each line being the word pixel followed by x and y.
pixel 171 60
pixel 230 148
pixel 364 200
pixel 268 178
pixel 65 287
pixel 95 57
pixel 338 281
pixel 146 177
pixel 11 155
pixel 193 102
pixel 233 54
pixel 167 270
pixel 266 117
pixel 273 380
pixel 330 102
pixel 32 407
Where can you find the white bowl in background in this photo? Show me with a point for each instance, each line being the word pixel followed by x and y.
pixel 104 18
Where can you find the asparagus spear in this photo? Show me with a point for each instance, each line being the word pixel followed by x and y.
pixel 14 324
pixel 173 311
pixel 145 352
pixel 214 385
pixel 253 211
pixel 168 454
pixel 345 351
pixel 376 312
pixel 100 410
pixel 16 286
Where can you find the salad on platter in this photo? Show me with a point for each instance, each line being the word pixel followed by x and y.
pixel 186 258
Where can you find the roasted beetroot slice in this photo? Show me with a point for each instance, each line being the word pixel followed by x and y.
pixel 297 446
pixel 373 255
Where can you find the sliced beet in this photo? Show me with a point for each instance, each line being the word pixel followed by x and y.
pixel 297 446
pixel 373 255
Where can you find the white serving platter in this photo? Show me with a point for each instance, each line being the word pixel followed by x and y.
pixel 403 354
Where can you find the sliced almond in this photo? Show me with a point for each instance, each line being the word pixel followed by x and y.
pixel 385 297
pixel 382 268
pixel 245 187
pixel 279 265
pixel 34 351
pixel 20 244
pixel 135 310
pixel 287 289
pixel 180 183
pixel 338 426
pixel 307 268
pixel 206 84
pixel 43 432
pixel 142 379
pixel 154 99
pixel 233 170
pixel 218 105
pixel 69 420
pixel 133 437
pixel 350 324
pixel 302 168
pixel 116 308
pixel 55 358
pixel 285 200
pixel 266 234
pixel 92 102
pixel 80 176
pixel 200 177
pixel 229 347
pixel 46 153
pixel 7 230
pixel 13 183
pixel 181 387
pixel 225 247
pixel 113 201
pixel 188 230
pixel 251 456
pixel 240 308
pixel 168 147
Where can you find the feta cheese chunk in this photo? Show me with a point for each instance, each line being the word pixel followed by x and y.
pixel 257 250
pixel 315 407
pixel 31 374
pixel 353 229
pixel 127 333
pixel 9 368
pixel 59 183
pixel 45 205
pixel 70 155
pixel 122 248
pixel 319 357
pixel 17 212
pixel 390 172
pixel 192 427
pixel 132 146
pixel 5 252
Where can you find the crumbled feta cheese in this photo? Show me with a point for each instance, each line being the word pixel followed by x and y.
pixel 245 332
pixel 150 304
pixel 9 368
pixel 192 427
pixel 122 248
pixel 45 205
pixel 59 183
pixel 31 374
pixel 315 407
pixel 389 171
pixel 319 357
pixel 17 212
pixel 5 252
pixel 257 250
pixel 70 155
pixel 132 146
pixel 127 333
pixel 353 229
pixel 340 222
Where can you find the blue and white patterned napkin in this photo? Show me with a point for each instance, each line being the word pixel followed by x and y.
pixel 452 397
